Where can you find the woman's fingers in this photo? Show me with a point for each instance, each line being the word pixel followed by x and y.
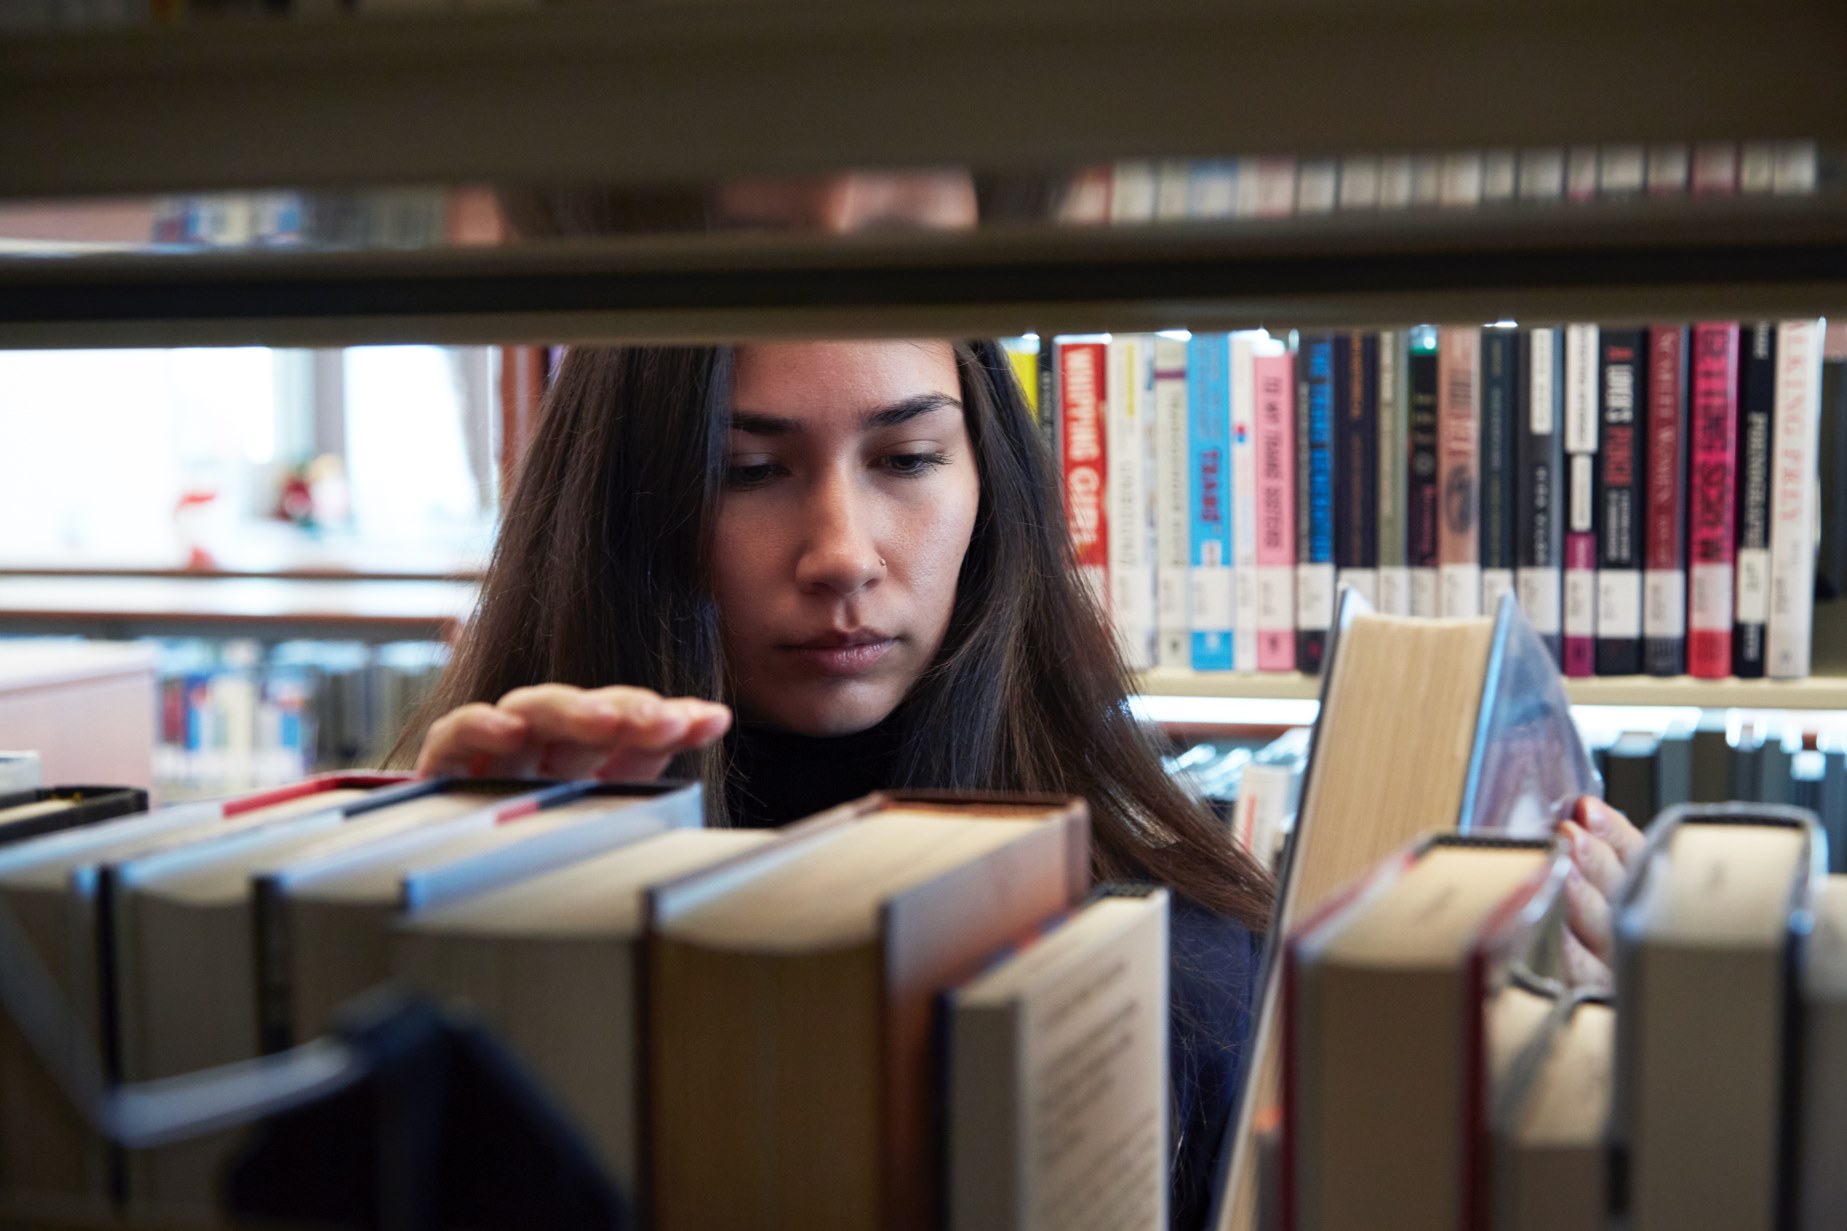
pixel 473 739
pixel 1596 859
pixel 684 723
pixel 1587 911
pixel 1583 969
pixel 1611 826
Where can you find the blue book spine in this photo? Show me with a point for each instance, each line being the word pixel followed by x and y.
pixel 1315 545
pixel 1208 361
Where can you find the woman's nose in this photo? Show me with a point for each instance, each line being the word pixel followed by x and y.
pixel 839 551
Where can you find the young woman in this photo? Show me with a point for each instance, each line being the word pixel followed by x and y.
pixel 800 572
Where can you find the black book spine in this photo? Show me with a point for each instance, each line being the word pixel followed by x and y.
pixel 1539 485
pixel 1500 415
pixel 1048 404
pixel 1316 445
pixel 1421 504
pixel 1356 530
pixel 1618 493
pixel 1756 414
pixel 1831 559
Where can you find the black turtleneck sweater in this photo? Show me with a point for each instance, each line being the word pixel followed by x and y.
pixel 779 777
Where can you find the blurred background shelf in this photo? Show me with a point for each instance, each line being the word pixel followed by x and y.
pixel 676 92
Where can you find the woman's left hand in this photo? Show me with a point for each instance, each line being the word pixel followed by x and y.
pixel 1604 846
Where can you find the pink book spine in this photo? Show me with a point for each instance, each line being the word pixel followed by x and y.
pixel 1275 430
pixel 1711 499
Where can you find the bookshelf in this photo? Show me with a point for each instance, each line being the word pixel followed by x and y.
pixel 1814 693
pixel 682 92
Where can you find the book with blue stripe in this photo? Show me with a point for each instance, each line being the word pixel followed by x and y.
pixel 1208 362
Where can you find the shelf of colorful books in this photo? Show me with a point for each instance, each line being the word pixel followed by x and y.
pixel 670 93
pixel 1815 693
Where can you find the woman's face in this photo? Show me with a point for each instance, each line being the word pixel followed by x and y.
pixel 850 496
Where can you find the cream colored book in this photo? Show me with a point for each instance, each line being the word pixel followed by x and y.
pixel 327 914
pixel 552 964
pixel 767 1110
pixel 1705 932
pixel 1402 1007
pixel 1057 1077
pixel 1551 1148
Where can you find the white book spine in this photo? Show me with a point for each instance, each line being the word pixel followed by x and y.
pixel 1460 595
pixel 1542 174
pixel 1495 583
pixel 1245 605
pixel 1424 600
pixel 1317 188
pixel 1172 533
pixel 1395 182
pixel 1793 498
pixel 1132 192
pixel 1131 563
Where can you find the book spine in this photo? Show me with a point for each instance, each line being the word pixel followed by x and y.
pixel 1581 503
pixel 1422 505
pixel 1619 503
pixel 1756 412
pixel 1048 401
pixel 1275 509
pixel 1459 455
pixel 1792 503
pixel 1664 581
pixel 1394 474
pixel 1712 495
pixel 1084 432
pixel 1500 418
pixel 1131 446
pixel 1314 576
pixel 1356 530
pixel 1244 500
pixel 1539 486
pixel 1209 449
pixel 1173 514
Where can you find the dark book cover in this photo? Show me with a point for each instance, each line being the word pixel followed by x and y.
pixel 1539 485
pixel 1356 532
pixel 1500 417
pixel 1756 415
pixel 1618 489
pixel 1315 547
pixel 1664 576
pixel 1048 402
pixel 1831 558
pixel 1422 506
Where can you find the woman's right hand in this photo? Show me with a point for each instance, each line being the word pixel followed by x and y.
pixel 557 731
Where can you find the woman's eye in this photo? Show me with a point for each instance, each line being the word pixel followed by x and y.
pixel 749 474
pixel 908 464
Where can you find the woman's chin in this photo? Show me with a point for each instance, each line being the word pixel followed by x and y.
pixel 829 711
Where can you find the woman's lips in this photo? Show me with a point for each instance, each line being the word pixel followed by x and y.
pixel 856 657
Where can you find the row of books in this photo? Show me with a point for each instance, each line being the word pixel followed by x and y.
pixel 1281 186
pixel 235 715
pixel 1650 494
pixel 1435 1077
pixel 739 1024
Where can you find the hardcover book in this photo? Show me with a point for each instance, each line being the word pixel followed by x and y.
pixel 1502 399
pixel 1459 473
pixel 1314 574
pixel 1792 499
pixel 1539 498
pixel 1173 521
pixel 1245 603
pixel 1394 473
pixel 1276 549
pixel 1720 898
pixel 1581 427
pixel 1083 386
pixel 1664 581
pixel 1423 501
pixel 1712 496
pixel 1756 418
pixel 1209 446
pixel 1130 423
pixel 1356 525
pixel 1620 509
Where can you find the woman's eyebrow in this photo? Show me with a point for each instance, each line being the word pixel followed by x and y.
pixel 905 410
pixel 757 423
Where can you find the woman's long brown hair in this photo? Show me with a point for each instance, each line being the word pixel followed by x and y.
pixel 601 577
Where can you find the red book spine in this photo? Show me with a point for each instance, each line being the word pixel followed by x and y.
pixel 1082 404
pixel 1664 554
pixel 1712 499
